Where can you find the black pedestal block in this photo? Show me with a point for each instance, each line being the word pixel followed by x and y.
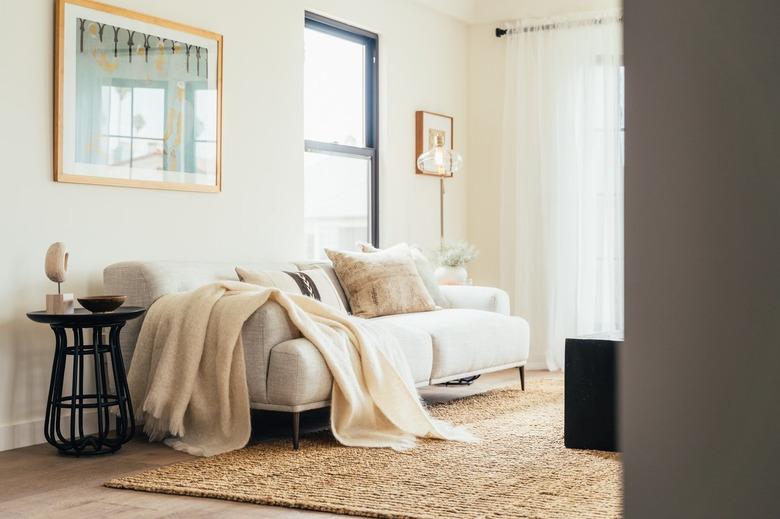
pixel 591 394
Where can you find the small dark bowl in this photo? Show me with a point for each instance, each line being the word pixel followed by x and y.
pixel 102 304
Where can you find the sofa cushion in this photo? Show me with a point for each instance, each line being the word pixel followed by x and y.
pixel 381 283
pixel 313 283
pixel 424 268
pixel 327 268
pixel 298 375
pixel 469 340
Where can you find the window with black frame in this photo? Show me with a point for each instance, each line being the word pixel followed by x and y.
pixel 340 131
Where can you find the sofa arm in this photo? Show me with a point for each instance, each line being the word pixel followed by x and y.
pixel 477 298
pixel 266 328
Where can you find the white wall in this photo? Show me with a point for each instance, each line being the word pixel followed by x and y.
pixel 485 114
pixel 259 214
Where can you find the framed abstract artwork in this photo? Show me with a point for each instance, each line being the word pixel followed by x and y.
pixel 428 126
pixel 138 100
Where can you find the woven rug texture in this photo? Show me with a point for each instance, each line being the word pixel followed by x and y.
pixel 519 469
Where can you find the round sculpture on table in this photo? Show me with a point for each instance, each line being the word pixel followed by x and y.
pixel 57 262
pixel 56 267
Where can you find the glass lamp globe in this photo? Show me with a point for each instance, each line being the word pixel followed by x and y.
pixel 440 160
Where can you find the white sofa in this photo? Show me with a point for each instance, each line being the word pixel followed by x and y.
pixel 285 372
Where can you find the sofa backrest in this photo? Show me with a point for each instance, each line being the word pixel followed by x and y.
pixel 145 281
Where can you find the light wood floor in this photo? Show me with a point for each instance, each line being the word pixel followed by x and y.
pixel 37 482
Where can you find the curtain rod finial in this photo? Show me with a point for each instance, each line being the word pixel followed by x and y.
pixel 500 32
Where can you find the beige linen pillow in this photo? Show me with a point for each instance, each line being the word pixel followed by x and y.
pixel 381 283
pixel 424 268
pixel 313 283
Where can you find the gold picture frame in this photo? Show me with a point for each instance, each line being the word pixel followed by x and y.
pixel 427 126
pixel 148 38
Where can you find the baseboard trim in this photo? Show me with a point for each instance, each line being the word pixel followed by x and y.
pixel 536 366
pixel 24 434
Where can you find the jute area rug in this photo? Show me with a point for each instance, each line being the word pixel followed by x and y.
pixel 519 469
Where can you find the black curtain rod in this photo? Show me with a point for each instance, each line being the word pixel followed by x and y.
pixel 554 25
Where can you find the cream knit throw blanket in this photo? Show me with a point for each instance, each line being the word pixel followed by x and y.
pixel 188 379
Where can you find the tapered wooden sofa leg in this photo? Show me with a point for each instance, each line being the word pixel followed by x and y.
pixel 296 429
pixel 522 378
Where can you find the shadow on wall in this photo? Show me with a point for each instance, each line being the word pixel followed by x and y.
pixel 27 349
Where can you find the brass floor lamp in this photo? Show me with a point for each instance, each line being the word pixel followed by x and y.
pixel 441 162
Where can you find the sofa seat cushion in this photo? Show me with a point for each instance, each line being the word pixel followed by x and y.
pixel 465 341
pixel 298 375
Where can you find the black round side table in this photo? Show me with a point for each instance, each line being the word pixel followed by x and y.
pixel 105 397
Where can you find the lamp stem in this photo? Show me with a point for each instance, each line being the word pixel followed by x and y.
pixel 441 207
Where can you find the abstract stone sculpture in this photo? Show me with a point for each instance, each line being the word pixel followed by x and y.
pixel 57 263
pixel 56 268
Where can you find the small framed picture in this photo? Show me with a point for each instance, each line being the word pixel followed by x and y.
pixel 138 100
pixel 428 126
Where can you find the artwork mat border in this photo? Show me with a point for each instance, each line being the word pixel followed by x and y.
pixel 59 80
pixel 419 117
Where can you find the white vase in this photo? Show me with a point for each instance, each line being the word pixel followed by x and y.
pixel 446 275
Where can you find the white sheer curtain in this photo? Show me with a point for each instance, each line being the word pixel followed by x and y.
pixel 562 178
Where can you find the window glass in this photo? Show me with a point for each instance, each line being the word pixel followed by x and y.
pixel 336 201
pixel 334 96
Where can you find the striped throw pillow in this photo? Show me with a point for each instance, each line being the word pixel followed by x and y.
pixel 313 283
